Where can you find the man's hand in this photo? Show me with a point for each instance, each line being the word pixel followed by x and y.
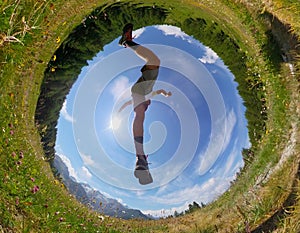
pixel 162 92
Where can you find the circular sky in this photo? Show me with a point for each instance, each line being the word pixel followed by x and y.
pixel 193 138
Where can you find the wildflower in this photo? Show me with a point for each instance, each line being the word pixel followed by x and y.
pixel 35 189
pixel 13 154
pixel 11 95
pixel 56 182
pixel 57 39
pixel 6 178
pixel 52 7
pixel 32 179
pixel 19 162
pixel 61 219
pixel 56 213
pixel 28 203
pixel 21 155
pixel 11 132
pixel 101 217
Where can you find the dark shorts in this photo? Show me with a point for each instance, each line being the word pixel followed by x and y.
pixel 144 86
pixel 140 100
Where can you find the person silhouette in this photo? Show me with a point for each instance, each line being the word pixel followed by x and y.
pixel 141 93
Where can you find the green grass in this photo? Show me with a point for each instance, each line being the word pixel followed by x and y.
pixel 32 200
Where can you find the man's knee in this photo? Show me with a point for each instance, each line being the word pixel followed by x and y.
pixel 155 61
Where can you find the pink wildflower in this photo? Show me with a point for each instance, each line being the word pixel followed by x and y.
pixel 35 189
pixel 21 155
pixel 19 162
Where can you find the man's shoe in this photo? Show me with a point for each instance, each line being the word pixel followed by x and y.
pixel 141 171
pixel 141 162
pixel 127 34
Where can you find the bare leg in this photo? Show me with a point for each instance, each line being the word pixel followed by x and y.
pixel 147 55
pixel 152 62
pixel 144 53
pixel 138 129
pixel 141 170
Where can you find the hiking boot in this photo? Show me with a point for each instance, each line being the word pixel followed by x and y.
pixel 142 170
pixel 141 163
pixel 127 34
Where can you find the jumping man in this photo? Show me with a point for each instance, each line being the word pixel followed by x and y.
pixel 141 93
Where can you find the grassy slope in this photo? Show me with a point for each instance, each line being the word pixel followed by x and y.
pixel 264 196
pixel 52 208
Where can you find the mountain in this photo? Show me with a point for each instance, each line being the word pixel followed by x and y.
pixel 94 199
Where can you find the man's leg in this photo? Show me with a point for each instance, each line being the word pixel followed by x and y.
pixel 138 129
pixel 141 170
pixel 144 53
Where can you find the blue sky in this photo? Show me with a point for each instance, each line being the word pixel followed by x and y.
pixel 194 138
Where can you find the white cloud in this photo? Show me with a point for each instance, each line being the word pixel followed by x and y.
pixel 119 87
pixel 166 212
pixel 172 30
pixel 209 57
pixel 87 159
pixel 228 166
pixel 230 122
pixel 121 201
pixel 221 139
pixel 204 193
pixel 86 173
pixel 64 113
pixel 68 163
pixel 138 32
pixel 233 165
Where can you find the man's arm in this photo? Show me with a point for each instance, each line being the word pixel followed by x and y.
pixel 154 93
pixel 129 102
pixel 161 92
